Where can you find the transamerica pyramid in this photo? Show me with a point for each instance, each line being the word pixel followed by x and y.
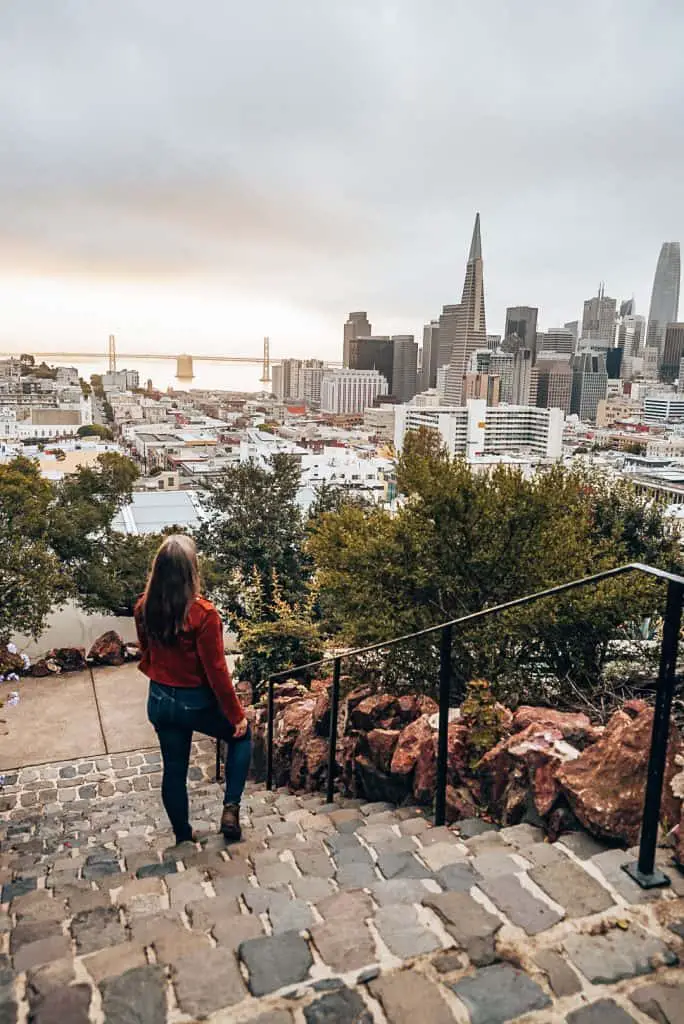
pixel 471 329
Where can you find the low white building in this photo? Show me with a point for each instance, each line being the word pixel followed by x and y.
pixel 478 431
pixel 351 391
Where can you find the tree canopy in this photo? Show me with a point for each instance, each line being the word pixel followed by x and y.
pixel 463 540
pixel 254 525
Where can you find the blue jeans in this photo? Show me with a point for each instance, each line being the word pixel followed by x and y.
pixel 177 712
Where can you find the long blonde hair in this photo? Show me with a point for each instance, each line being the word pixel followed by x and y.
pixel 172 586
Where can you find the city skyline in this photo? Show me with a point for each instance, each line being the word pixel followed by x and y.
pixel 155 190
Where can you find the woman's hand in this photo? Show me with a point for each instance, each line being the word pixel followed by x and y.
pixel 241 729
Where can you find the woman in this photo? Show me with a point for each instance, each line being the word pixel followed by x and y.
pixel 181 643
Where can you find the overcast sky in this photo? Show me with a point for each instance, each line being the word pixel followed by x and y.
pixel 194 175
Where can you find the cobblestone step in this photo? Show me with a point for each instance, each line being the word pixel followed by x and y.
pixel 346 912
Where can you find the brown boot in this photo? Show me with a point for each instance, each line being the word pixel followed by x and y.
pixel 230 823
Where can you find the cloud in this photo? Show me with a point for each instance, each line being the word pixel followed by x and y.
pixel 330 156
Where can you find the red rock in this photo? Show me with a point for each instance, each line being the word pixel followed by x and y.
pixel 291 722
pixel 353 700
pixel 381 711
pixel 133 652
pixel 380 744
pixel 375 784
pixel 412 706
pixel 425 774
pixel 321 713
pixel 575 727
pixel 605 785
pixel 108 649
pixel 460 804
pixel 319 685
pixel 413 738
pixel 43 667
pixel 69 659
pixel 245 692
pixel 524 763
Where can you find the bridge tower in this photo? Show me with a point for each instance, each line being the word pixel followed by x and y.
pixel 266 365
pixel 112 354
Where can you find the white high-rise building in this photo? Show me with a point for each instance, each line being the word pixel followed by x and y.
pixel 481 432
pixel 351 391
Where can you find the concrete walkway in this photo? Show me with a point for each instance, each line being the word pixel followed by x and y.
pixel 76 715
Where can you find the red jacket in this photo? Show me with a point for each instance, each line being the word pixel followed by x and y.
pixel 197 659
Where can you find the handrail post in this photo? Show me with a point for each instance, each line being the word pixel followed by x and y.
pixel 332 742
pixel 218 761
pixel 269 733
pixel 644 870
pixel 443 735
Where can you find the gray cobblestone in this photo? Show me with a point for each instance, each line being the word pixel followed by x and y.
pixel 617 955
pixel 499 993
pixel 520 905
pixel 403 933
pixel 275 961
pixel 571 887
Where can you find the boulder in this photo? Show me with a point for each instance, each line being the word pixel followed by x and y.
pixel 245 692
pixel 132 652
pixel 319 685
pixel 375 784
pixel 605 784
pixel 321 713
pixel 524 763
pixel 291 722
pixel 380 711
pixel 412 741
pixel 575 727
pixel 379 746
pixel 108 649
pixel 44 667
pixel 460 804
pixel 383 711
pixel 309 765
pixel 69 659
pixel 425 774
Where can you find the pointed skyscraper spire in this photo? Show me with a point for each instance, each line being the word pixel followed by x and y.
pixel 476 244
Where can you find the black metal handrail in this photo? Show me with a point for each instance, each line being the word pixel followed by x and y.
pixel 642 871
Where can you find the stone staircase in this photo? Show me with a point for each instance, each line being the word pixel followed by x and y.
pixel 348 912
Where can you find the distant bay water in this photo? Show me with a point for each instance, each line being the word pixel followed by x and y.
pixel 208 376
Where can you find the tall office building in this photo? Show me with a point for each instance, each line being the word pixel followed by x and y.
pixel 448 326
pixel 373 354
pixel 493 342
pixel 501 366
pixel 357 326
pixel 524 378
pixel 471 328
pixel 573 327
pixel 554 384
pixel 557 339
pixel 598 320
pixel 430 354
pixel 630 334
pixel 589 384
pixel 351 391
pixel 404 367
pixel 664 306
pixel 673 351
pixel 521 330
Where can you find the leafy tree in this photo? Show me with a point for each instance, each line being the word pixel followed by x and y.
pixel 31 579
pixel 332 498
pixel 464 540
pixel 275 634
pixel 80 528
pixel 115 582
pixel 95 430
pixel 254 524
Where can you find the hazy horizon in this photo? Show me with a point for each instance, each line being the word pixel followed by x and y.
pixel 192 178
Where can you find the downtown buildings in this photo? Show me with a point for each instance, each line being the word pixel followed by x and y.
pixel 664 306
